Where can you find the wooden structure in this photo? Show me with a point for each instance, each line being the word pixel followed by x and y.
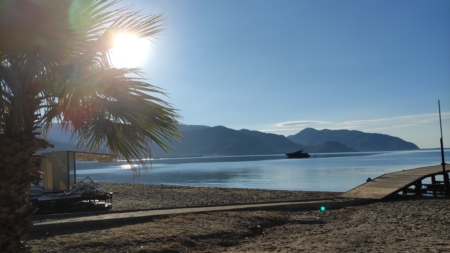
pixel 61 191
pixel 56 202
pixel 59 167
pixel 406 181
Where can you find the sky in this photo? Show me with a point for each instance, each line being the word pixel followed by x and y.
pixel 281 66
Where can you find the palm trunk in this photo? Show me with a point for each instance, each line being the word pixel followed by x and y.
pixel 16 175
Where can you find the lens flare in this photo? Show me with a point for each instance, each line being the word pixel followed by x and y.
pixel 129 51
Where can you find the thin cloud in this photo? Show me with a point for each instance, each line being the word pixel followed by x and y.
pixel 435 118
pixel 393 122
pixel 278 130
pixel 365 122
pixel 300 123
pixel 429 115
pixel 363 125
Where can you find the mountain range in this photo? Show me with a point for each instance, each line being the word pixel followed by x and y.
pixel 357 140
pixel 222 141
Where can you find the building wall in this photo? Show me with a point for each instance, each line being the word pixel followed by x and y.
pixel 56 172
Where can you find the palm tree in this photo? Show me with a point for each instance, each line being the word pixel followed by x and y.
pixel 55 65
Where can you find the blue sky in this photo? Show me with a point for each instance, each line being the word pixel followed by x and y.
pixel 281 66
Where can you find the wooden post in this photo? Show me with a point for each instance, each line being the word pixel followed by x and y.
pixel 405 191
pixel 444 173
pixel 418 188
pixel 433 182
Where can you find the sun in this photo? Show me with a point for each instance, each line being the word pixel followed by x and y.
pixel 129 51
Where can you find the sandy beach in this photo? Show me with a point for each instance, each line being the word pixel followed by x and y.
pixel 144 196
pixel 395 225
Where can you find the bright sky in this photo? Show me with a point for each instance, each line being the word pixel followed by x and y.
pixel 280 66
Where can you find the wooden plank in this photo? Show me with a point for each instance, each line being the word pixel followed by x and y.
pixel 366 192
pixel 391 183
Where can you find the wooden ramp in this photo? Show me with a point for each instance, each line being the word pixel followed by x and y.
pixel 392 183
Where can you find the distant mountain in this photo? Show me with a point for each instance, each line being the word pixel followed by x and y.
pixel 56 133
pixel 188 128
pixel 357 140
pixel 278 143
pixel 63 141
pixel 58 146
pixel 222 141
pixel 329 147
pixel 219 141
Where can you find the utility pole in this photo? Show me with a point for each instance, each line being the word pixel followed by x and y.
pixel 446 181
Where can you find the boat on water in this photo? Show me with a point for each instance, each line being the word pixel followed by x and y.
pixel 298 154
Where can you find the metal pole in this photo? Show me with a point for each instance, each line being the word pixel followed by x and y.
pixel 444 173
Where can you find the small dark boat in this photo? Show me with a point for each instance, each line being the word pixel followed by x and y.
pixel 298 154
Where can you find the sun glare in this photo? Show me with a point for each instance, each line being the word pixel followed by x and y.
pixel 129 50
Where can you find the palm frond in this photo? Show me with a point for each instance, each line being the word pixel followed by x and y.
pixel 126 111
pixel 55 64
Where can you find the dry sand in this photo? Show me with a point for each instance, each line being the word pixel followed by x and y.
pixel 397 225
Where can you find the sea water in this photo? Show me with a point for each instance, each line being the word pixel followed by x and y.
pixel 322 172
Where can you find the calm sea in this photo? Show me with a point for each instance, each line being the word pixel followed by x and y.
pixel 322 172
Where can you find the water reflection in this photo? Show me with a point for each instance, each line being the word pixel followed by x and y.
pixel 324 172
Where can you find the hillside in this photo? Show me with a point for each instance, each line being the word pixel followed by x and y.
pixel 353 139
pixel 329 147
pixel 279 143
pixel 219 140
pixel 222 141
